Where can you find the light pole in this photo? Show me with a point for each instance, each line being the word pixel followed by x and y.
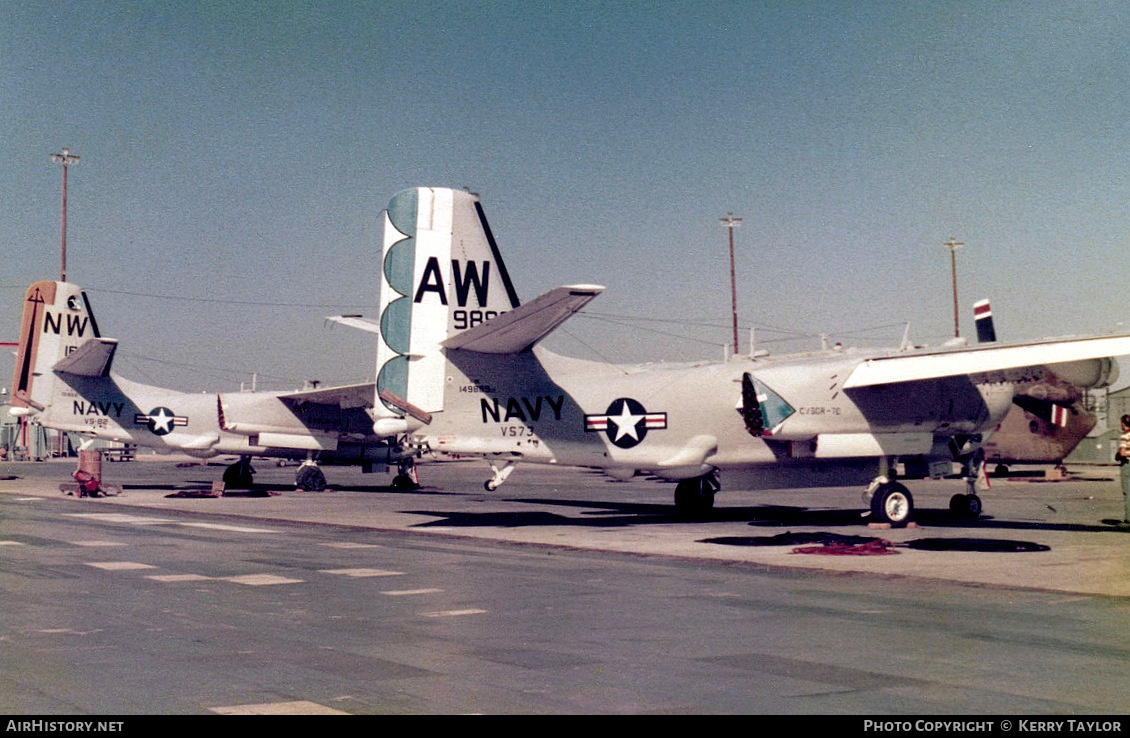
pixel 730 223
pixel 66 159
pixel 953 246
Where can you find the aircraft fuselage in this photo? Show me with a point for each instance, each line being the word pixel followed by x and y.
pixel 676 421
pixel 206 424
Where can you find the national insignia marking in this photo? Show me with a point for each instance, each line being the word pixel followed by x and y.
pixel 160 421
pixel 626 422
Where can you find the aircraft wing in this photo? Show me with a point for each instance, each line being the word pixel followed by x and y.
pixel 90 359
pixel 985 360
pixel 516 330
pixel 346 396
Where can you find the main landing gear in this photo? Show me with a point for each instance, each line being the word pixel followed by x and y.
pixel 694 498
pixel 967 506
pixel 309 477
pixel 890 502
pixel 406 476
pixel 241 475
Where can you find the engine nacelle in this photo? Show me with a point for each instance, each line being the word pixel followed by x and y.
pixel 1088 374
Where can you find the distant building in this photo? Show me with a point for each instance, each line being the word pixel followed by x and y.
pixel 20 443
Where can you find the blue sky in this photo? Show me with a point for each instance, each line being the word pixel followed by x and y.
pixel 236 157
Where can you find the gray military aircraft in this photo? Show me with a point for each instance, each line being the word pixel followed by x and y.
pixel 63 380
pixel 460 373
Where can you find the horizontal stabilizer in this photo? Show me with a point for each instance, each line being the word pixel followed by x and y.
pixel 985 360
pixel 519 329
pixel 356 321
pixel 346 396
pixel 90 359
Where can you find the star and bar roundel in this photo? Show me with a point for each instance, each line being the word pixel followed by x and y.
pixel 160 421
pixel 626 422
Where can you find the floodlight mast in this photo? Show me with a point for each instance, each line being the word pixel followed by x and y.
pixel 730 223
pixel 66 158
pixel 953 245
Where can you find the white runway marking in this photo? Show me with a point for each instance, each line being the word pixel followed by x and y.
pixel 452 613
pixel 125 519
pixel 231 528
pixel 118 565
pixel 410 592
pixel 345 544
pixel 259 580
pixel 299 707
pixel 178 577
pixel 364 572
pixel 94 544
pixel 120 518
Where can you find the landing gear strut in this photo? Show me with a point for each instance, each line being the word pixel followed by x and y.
pixel 694 498
pixel 968 506
pixel 500 475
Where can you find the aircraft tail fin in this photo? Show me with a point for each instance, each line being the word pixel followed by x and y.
pixel 58 333
pixel 441 274
pixel 983 317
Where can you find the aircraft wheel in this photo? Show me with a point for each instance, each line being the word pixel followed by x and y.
pixel 403 481
pixel 966 506
pixel 310 478
pixel 892 504
pixel 489 485
pixel 238 476
pixel 694 498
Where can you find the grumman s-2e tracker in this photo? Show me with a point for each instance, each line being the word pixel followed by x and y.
pixel 63 381
pixel 460 373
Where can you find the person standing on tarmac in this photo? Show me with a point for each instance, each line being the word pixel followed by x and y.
pixel 1122 456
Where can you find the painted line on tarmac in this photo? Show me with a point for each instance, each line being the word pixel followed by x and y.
pixel 124 519
pixel 296 707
